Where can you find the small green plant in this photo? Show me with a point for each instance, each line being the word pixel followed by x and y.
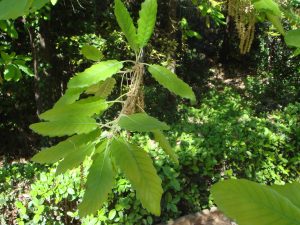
pixel 76 114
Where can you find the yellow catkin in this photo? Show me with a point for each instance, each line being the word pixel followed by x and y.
pixel 243 14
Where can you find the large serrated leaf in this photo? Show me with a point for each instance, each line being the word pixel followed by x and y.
pixel 292 38
pixel 126 24
pixel 75 158
pixel 125 158
pixel 170 81
pixel 94 74
pixel 99 183
pixel 59 151
pixel 92 53
pixel 148 188
pixel 146 22
pixel 70 126
pixel 165 145
pixel 141 122
pixel 250 203
pixel 80 108
pixel 71 95
pixel 103 89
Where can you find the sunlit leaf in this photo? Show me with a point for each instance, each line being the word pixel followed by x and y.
pixel 99 183
pixel 59 151
pixel 74 159
pixel 12 9
pixel 165 145
pixel 126 24
pixel 141 122
pixel 251 203
pixel 292 38
pixel 170 81
pixel 91 52
pixel 80 108
pixel 70 126
pixel 268 6
pixel 141 174
pixel 98 72
pixel 12 72
pixel 146 22
pixel 71 95
pixel 103 89
pixel 290 191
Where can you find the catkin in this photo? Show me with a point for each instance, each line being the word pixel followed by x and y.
pixel 244 16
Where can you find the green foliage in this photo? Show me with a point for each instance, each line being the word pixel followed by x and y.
pixel 14 65
pixel 292 38
pixel 165 145
pixel 142 175
pixel 64 148
pixel 125 22
pixel 170 81
pixel 12 9
pixel 101 177
pixel 146 22
pixel 103 89
pixel 251 203
pixel 96 73
pixel 78 110
pixel 60 128
pixel 141 122
pixel 211 10
pixel 91 52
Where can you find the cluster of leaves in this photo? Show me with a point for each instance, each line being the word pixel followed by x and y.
pixel 220 139
pixel 212 11
pixel 104 143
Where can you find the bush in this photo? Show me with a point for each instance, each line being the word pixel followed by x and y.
pixel 220 139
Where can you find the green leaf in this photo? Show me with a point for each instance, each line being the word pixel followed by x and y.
pixel 95 73
pixel 251 203
pixel 124 157
pixel 99 183
pixel 70 126
pixel 71 95
pixel 165 145
pixel 296 52
pixel 12 72
pixel 80 108
pixel 141 122
pixel 268 6
pixel 276 21
pixel 53 2
pixel 74 159
pixel 126 24
pixel 140 172
pixel 146 22
pixel 91 52
pixel 170 81
pixel 103 89
pixel 112 214
pixel 292 38
pixel 26 70
pixel 36 5
pixel 290 191
pixel 12 9
pixel 59 151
